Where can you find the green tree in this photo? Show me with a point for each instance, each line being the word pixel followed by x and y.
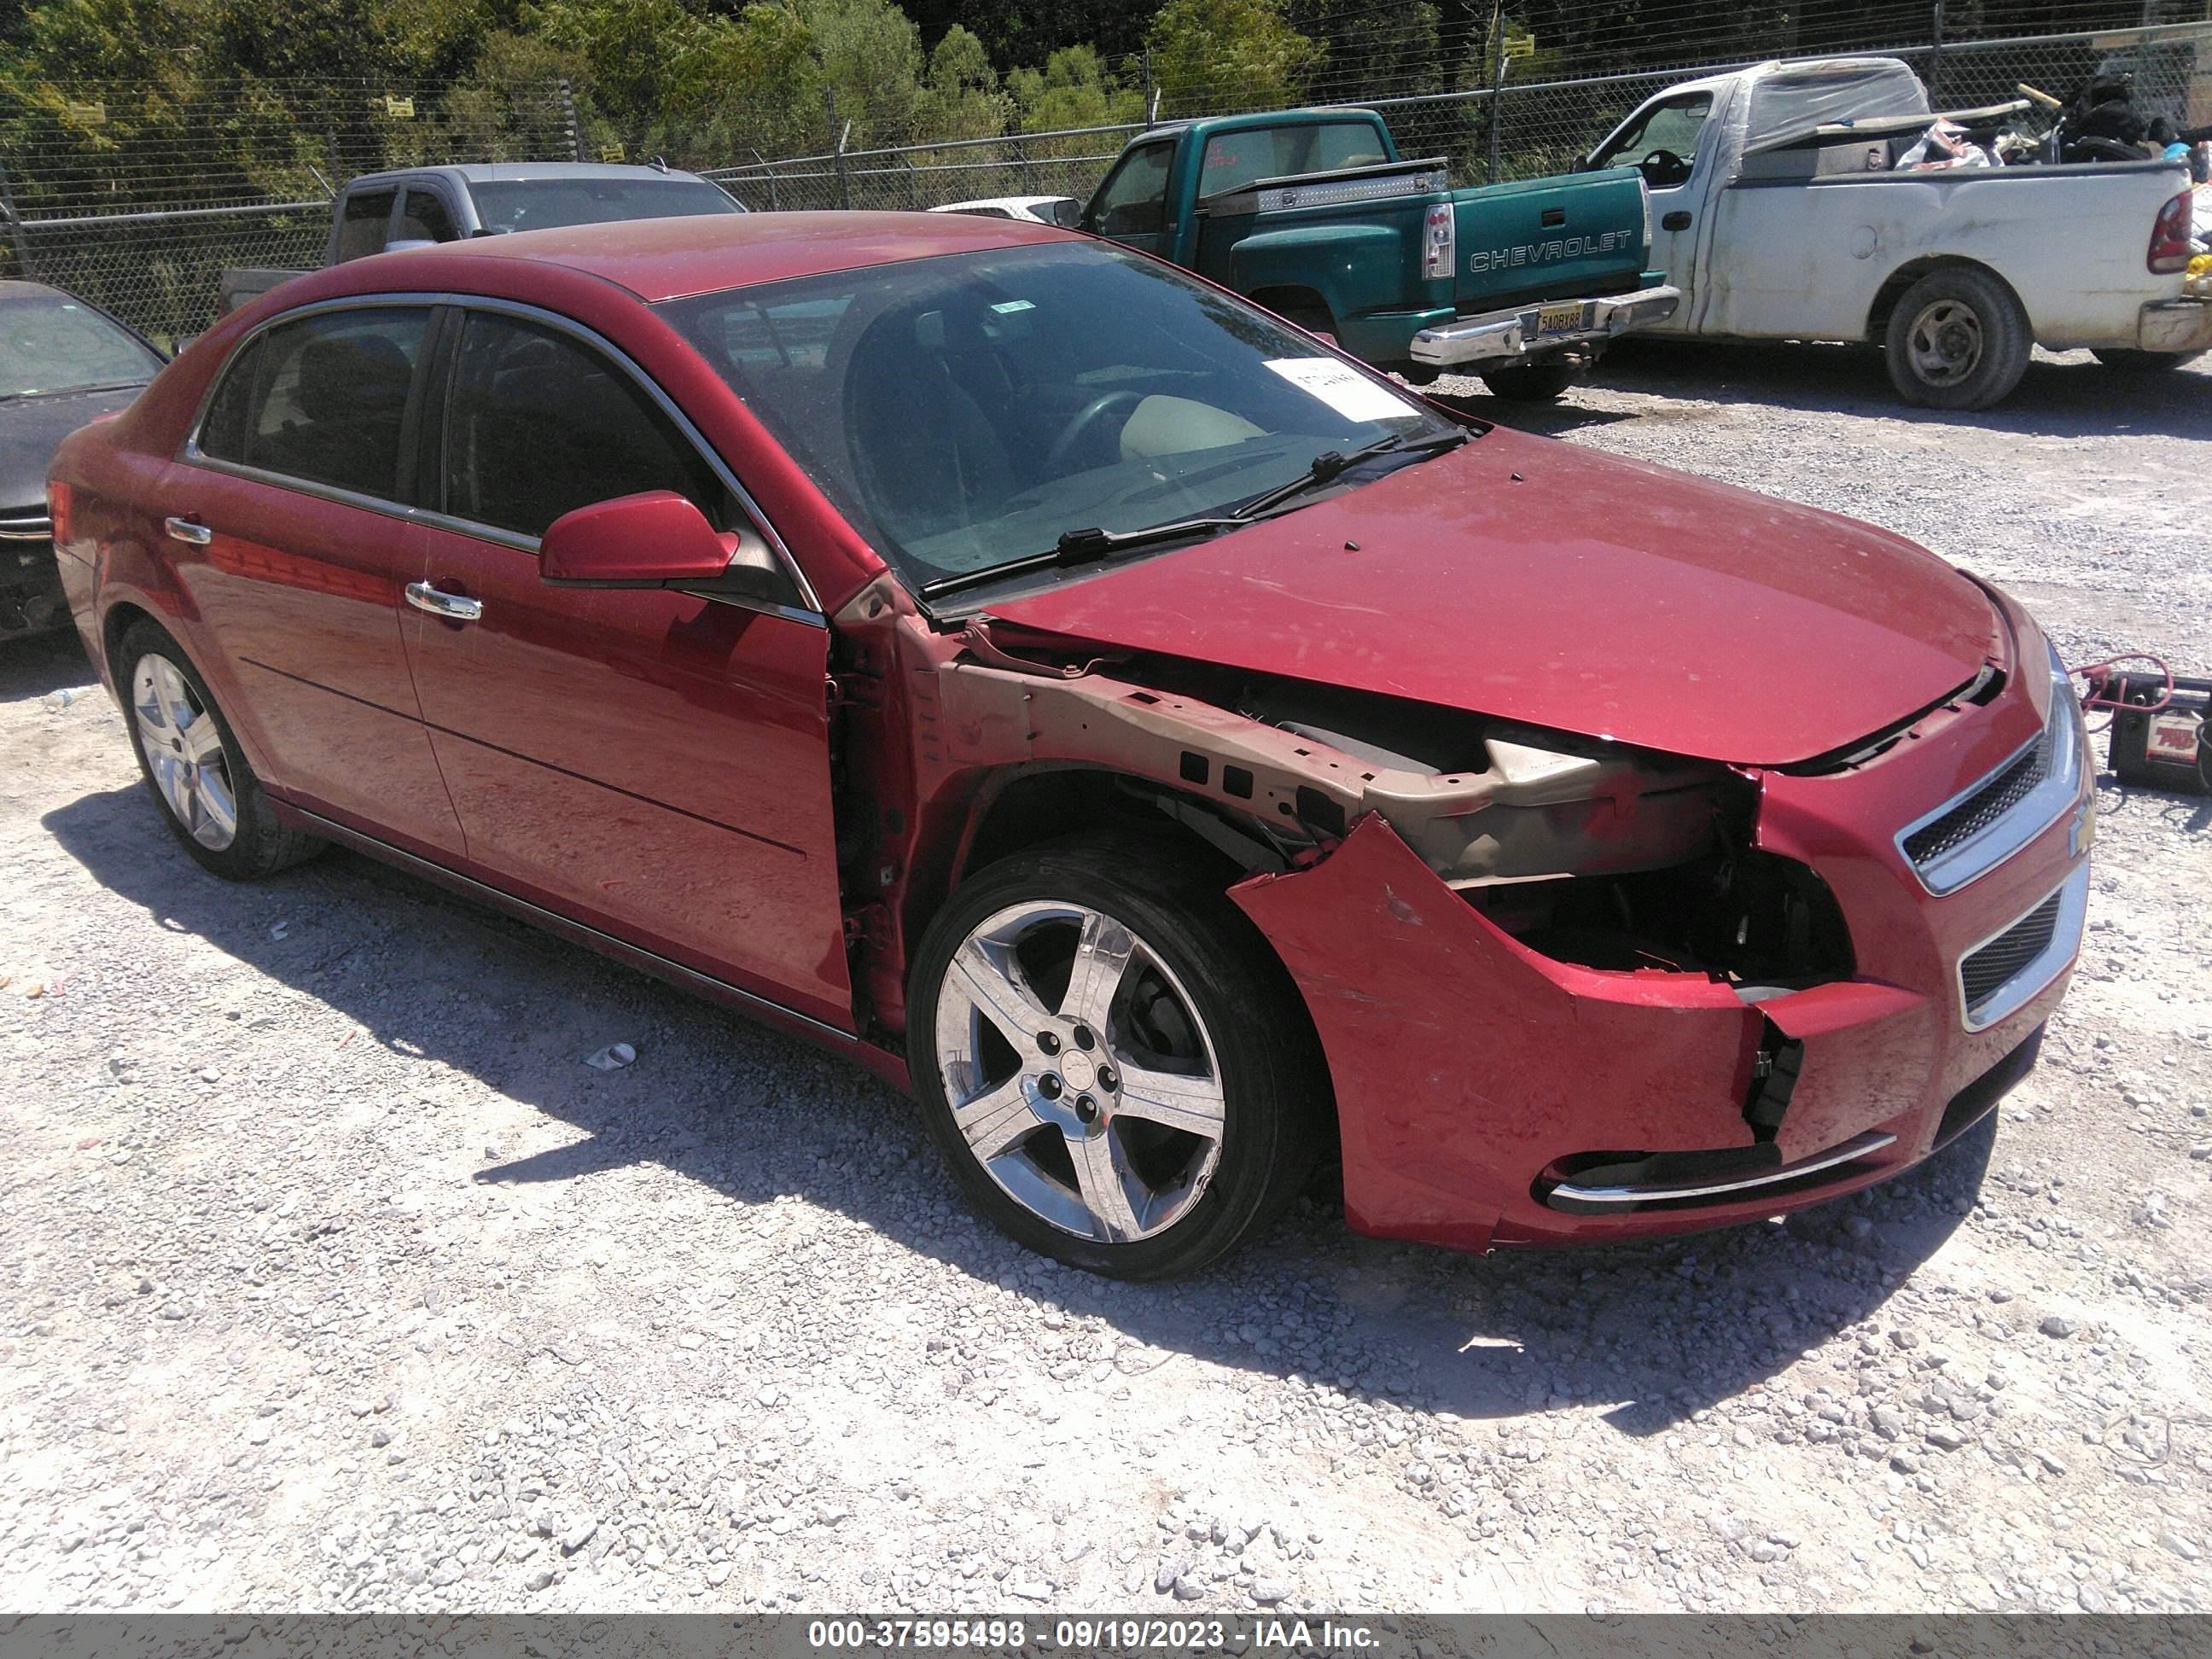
pixel 1073 90
pixel 1214 55
pixel 962 98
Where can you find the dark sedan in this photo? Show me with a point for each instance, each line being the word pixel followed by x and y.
pixel 62 362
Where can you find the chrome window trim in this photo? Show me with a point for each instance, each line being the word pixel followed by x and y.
pixel 2044 804
pixel 192 455
pixel 2036 974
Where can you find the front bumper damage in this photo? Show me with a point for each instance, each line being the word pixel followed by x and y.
pixel 31 597
pixel 1538 331
pixel 1491 1095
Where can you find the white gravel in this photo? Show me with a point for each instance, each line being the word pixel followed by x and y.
pixel 335 1279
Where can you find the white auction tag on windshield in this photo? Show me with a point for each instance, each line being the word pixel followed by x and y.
pixel 1341 386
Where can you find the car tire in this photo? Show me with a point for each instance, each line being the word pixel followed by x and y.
pixel 2129 361
pixel 204 789
pixel 1058 1135
pixel 1957 339
pixel 1531 383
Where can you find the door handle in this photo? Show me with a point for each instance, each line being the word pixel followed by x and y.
pixel 452 606
pixel 1675 221
pixel 186 530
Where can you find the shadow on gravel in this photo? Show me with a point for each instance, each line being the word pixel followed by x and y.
pixel 2070 400
pixel 1655 1332
pixel 44 662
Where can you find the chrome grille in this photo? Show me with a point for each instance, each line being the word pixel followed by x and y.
pixel 1982 809
pixel 2004 958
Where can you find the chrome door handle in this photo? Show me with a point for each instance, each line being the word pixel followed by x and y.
pixel 452 606
pixel 184 529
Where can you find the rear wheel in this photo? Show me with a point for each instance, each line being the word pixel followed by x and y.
pixel 1958 339
pixel 213 805
pixel 2130 362
pixel 1115 1066
pixel 1531 383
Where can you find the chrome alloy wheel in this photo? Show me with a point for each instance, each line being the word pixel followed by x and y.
pixel 1079 1072
pixel 1946 342
pixel 183 752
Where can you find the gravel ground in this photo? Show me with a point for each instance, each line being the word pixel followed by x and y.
pixel 335 1280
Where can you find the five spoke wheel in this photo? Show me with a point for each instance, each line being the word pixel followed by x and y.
pixel 1078 1071
pixel 184 752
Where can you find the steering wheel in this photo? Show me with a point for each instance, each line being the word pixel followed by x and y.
pixel 1079 425
pixel 1662 168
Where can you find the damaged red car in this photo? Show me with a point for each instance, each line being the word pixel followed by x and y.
pixel 1186 759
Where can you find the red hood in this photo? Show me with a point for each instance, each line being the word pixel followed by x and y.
pixel 1527 579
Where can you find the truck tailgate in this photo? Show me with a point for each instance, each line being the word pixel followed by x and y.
pixel 1550 239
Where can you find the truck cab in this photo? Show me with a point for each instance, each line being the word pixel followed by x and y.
pixel 1314 214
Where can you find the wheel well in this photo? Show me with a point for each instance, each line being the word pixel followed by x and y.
pixel 120 620
pixel 1048 804
pixel 1894 286
pixel 1293 303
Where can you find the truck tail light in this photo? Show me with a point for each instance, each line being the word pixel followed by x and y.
pixel 57 509
pixel 1440 242
pixel 2169 237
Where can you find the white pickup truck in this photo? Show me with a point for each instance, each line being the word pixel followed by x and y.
pixel 1778 211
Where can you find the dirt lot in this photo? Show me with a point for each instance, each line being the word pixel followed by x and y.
pixel 335 1279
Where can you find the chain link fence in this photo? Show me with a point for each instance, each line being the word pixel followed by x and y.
pixel 136 198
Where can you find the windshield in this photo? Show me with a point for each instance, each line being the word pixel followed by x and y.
pixel 50 343
pixel 542 203
pixel 966 411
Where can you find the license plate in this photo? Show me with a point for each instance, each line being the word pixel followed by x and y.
pixel 1559 319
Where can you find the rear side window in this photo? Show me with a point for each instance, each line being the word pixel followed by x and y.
pixel 424 219
pixel 361 222
pixel 323 399
pixel 538 424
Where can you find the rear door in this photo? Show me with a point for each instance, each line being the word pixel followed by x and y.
pixel 653 763
pixel 291 536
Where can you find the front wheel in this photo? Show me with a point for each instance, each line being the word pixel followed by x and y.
pixel 1116 1067
pixel 1531 383
pixel 2130 361
pixel 1958 339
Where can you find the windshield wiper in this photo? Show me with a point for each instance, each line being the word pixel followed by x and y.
pixel 1086 546
pixel 1331 464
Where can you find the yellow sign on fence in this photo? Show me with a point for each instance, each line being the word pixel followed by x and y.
pixel 612 153
pixel 399 109
pixel 1520 45
pixel 88 115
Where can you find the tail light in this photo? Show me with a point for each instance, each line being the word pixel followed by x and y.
pixel 1439 242
pixel 2169 237
pixel 57 509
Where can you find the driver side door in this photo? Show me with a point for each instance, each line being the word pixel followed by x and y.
pixel 1682 125
pixel 1131 207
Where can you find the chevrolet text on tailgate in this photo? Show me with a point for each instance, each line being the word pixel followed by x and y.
pixel 1313 214
pixel 1172 749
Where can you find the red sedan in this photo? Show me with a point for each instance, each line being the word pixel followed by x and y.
pixel 1180 755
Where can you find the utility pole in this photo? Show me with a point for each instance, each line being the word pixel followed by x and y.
pixel 1497 80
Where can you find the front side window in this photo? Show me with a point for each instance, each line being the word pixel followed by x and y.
pixel 364 219
pixel 1133 202
pixel 542 203
pixel 1234 160
pixel 966 411
pixel 322 399
pixel 50 343
pixel 538 424
pixel 1672 127
pixel 423 218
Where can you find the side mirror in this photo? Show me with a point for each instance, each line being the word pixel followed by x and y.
pixel 633 541
pixel 1067 213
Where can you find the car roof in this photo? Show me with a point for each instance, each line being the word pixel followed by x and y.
pixel 500 172
pixel 14 289
pixel 658 259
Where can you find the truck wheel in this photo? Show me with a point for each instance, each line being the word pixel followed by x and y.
pixel 1958 339
pixel 1531 383
pixel 209 796
pixel 2144 362
pixel 1116 1067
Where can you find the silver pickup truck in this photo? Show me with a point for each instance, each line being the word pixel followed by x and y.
pixel 1782 213
pixel 420 205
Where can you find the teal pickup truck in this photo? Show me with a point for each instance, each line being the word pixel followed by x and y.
pixel 1313 214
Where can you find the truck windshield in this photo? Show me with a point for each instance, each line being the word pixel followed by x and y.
pixel 542 203
pixel 50 343
pixel 965 411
